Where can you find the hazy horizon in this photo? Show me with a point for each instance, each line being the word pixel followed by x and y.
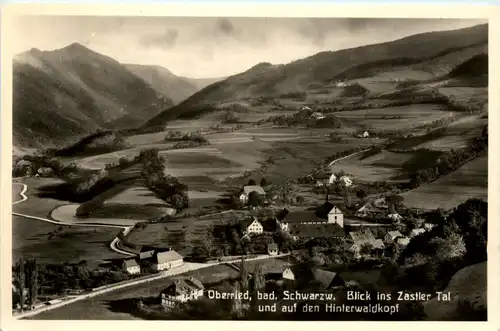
pixel 200 47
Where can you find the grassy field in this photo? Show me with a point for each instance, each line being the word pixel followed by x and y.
pixel 468 181
pixel 384 166
pixel 465 93
pixel 129 215
pixel 101 307
pixel 396 118
pixel 36 205
pixel 51 243
pixel 181 234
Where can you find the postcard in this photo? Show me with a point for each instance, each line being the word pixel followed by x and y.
pixel 277 163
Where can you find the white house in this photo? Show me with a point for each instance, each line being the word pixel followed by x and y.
pixel 332 179
pixel 288 274
pixel 416 232
pixel 335 215
pixel 245 192
pixel 402 241
pixel 252 226
pixel 181 290
pixel 272 249
pixel 131 266
pixel 391 236
pixel 341 84
pixel 366 134
pixel 167 260
pixel 305 108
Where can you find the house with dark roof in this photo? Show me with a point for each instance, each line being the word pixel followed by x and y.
pixel 391 236
pixel 131 266
pixel 322 179
pixel 286 275
pixel 167 260
pixel 272 249
pixel 326 280
pixel 245 192
pixel 181 290
pixel 361 238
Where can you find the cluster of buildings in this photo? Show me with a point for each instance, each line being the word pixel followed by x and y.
pixel 326 221
pixel 324 179
pixel 153 258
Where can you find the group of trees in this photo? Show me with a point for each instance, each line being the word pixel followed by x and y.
pixel 194 137
pixel 26 282
pixel 166 187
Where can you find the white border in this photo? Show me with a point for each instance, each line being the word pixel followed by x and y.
pixel 246 10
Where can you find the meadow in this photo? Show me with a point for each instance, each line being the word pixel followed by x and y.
pixel 51 243
pixel 468 181
pixel 396 118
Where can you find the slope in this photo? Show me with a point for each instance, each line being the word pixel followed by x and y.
pixel 74 90
pixel 166 83
pixel 267 79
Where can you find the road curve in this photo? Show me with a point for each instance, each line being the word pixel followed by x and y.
pixel 22 193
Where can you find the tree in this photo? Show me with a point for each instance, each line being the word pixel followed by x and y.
pixel 243 276
pixel 255 199
pixel 361 194
pixel 395 200
pixel 251 182
pixel 263 182
pixel 347 196
pixel 237 307
pixel 32 280
pixel 20 281
pixel 452 246
pixel 300 199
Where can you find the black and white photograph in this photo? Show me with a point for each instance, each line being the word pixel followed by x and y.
pixel 178 168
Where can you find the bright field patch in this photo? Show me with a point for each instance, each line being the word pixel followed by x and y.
pixel 468 181
pixel 67 213
pixel 396 118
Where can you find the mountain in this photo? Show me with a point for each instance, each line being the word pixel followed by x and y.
pixel 166 83
pixel 436 52
pixel 74 91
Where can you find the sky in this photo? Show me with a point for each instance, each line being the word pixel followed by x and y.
pixel 204 47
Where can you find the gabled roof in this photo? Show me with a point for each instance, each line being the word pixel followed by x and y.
pixel 23 163
pixel 130 263
pixel 272 247
pixel 183 285
pixel 245 223
pixel 323 277
pixel 321 175
pixel 253 188
pixel 323 210
pixel 168 256
pixel 394 234
pixel 417 231
pixel 303 216
pixel 335 210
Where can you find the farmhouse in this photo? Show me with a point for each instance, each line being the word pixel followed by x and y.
pixel 317 116
pixel 245 192
pixel 272 249
pixel 45 171
pixel 252 225
pixel 321 179
pixel 361 238
pixel 181 290
pixel 416 232
pixel 402 241
pixel 131 266
pixel 391 236
pixel 332 179
pixel 286 275
pixel 366 134
pixel 167 260
pixel 305 108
